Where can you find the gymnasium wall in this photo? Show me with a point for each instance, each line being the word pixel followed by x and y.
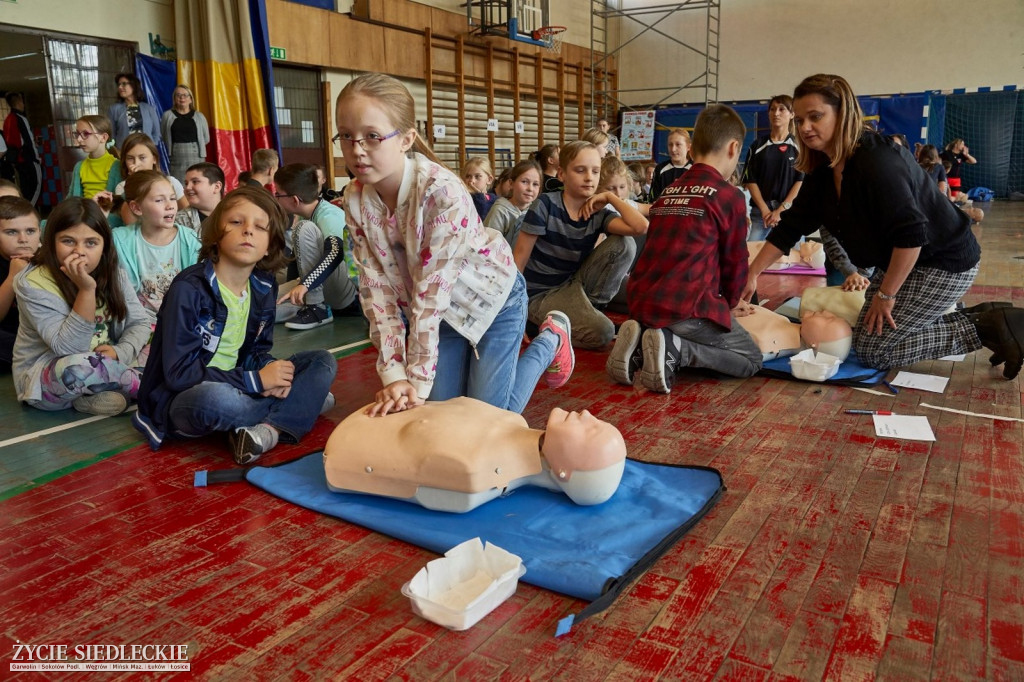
pixel 880 46
pixel 573 14
pixel 130 20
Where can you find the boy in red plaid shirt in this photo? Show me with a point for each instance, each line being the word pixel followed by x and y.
pixel 692 271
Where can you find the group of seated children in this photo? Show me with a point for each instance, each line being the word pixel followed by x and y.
pixel 447 300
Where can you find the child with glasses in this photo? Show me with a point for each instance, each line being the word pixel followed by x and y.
pixel 446 305
pixel 316 243
pixel 95 176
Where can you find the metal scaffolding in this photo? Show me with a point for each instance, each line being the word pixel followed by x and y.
pixel 705 82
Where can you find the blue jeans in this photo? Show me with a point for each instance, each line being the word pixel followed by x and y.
pixel 758 230
pixel 496 373
pixel 214 406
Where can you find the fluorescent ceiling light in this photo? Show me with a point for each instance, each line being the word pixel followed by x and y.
pixel 19 56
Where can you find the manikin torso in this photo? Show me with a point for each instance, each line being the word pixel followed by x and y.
pixel 778 337
pixel 457 454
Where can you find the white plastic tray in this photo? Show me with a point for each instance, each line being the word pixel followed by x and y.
pixel 468 583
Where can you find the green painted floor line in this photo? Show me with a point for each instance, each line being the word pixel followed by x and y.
pixel 340 352
pixel 63 471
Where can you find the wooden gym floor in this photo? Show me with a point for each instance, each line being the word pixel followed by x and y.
pixel 833 555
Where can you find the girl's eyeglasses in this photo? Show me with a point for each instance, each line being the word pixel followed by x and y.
pixel 369 143
pixel 82 135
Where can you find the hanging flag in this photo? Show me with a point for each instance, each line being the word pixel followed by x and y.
pixel 224 56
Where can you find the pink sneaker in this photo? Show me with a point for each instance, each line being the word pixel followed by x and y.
pixel 560 369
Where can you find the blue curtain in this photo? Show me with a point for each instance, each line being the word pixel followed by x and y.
pixel 261 44
pixel 902 115
pixel 159 77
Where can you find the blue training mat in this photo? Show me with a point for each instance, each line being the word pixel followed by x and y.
pixel 851 372
pixel 588 552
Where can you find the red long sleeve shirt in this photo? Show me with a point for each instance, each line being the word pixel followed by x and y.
pixel 694 264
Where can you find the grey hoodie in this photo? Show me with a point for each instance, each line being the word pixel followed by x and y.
pixel 50 329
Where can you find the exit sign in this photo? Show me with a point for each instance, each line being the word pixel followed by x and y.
pixel 277 53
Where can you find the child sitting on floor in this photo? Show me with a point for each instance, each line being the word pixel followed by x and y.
pixel 19 241
pixel 154 249
pixel 210 367
pixel 692 270
pixel 506 215
pixel 556 250
pixel 478 176
pixel 139 153
pixel 81 327
pixel 95 176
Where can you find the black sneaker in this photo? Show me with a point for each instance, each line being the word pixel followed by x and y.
pixel 661 359
pixel 310 317
pixel 627 355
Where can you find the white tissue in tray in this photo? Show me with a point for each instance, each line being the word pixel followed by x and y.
pixel 467 584
pixel 811 366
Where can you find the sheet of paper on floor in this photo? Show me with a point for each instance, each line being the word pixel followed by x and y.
pixel 908 427
pixel 924 382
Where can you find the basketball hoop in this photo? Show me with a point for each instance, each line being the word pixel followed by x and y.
pixel 551 36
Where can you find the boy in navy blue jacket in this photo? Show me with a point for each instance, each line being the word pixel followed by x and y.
pixel 210 367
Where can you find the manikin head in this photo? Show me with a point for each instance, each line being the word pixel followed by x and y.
pixel 586 456
pixel 826 333
pixel 812 253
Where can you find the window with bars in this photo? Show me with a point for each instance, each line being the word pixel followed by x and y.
pixel 81 78
pixel 297 99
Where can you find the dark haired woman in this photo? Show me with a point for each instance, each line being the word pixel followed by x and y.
pixel 888 213
pixel 131 113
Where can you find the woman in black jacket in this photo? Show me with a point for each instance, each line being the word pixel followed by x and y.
pixel 887 213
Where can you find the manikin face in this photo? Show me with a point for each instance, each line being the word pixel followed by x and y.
pixel 816 122
pixel 619 186
pixel 821 326
pixel 525 188
pixel 779 115
pixel 19 237
pixel 582 174
pixel 157 209
pixel 677 149
pixel 477 178
pixel 82 242
pixel 826 333
pixel 245 234
pixel 139 158
pixel 376 160
pixel 585 455
pixel 201 193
